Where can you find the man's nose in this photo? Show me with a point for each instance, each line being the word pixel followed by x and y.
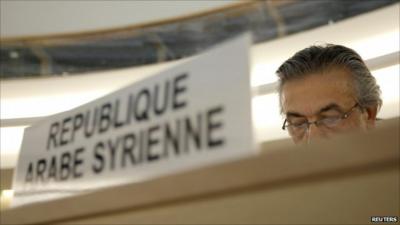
pixel 314 132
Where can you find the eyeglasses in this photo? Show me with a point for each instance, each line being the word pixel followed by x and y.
pixel 298 129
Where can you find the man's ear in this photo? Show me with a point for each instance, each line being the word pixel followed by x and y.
pixel 371 113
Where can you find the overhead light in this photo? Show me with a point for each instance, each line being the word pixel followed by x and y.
pixel 267 118
pixel 10 144
pixel 6 198
pixel 14 54
pixel 378 45
pixel 263 72
pixel 389 81
pixel 39 106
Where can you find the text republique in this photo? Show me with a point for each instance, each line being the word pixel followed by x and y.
pixel 150 143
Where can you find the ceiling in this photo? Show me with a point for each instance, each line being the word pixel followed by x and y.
pixel 66 16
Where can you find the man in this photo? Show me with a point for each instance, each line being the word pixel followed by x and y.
pixel 325 90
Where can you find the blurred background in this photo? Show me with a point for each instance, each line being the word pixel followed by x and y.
pixel 57 55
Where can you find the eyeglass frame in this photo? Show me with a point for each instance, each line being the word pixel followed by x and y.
pixel 345 115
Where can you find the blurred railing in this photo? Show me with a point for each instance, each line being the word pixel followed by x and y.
pixel 171 39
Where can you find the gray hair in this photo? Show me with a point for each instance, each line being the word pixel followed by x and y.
pixel 320 58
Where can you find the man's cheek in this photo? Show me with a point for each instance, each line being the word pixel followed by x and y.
pixel 354 124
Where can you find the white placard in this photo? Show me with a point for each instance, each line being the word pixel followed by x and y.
pixel 196 114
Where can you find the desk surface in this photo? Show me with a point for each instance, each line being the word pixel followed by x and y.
pixel 345 180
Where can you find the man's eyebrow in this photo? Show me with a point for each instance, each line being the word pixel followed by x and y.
pixel 332 106
pixel 294 114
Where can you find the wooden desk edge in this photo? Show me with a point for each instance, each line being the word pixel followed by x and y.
pixel 272 166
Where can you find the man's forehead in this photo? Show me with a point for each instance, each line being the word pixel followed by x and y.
pixel 310 94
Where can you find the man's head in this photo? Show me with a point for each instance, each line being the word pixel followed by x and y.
pixel 325 90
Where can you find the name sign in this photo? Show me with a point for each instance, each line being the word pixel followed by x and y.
pixel 195 114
